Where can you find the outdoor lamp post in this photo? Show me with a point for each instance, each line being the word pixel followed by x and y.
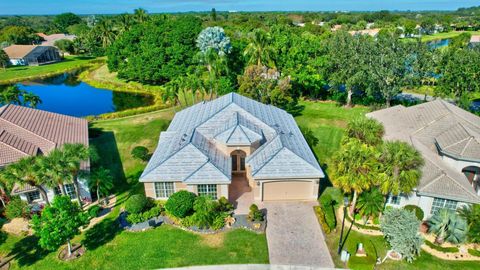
pixel 345 206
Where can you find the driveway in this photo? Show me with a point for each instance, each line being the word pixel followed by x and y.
pixel 294 235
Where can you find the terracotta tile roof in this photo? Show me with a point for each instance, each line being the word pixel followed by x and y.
pixel 30 131
pixel 18 51
pixel 49 40
pixel 475 39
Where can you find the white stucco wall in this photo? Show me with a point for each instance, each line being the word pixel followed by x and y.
pixel 459 165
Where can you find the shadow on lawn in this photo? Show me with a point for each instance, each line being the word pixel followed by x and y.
pixel 101 233
pixel 27 251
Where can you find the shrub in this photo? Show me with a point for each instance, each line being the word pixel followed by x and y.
pixel 400 228
pixel 417 210
pixel 219 221
pixel 140 152
pixel 224 205
pixel 205 212
pixel 441 249
pixel 180 204
pixel 474 252
pixel 136 203
pixel 141 217
pixel 255 214
pixel 17 208
pixel 321 219
pixel 94 210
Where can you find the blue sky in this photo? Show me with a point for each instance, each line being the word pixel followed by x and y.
pixel 119 6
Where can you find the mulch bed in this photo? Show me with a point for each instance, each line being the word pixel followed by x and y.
pixel 77 251
pixel 5 263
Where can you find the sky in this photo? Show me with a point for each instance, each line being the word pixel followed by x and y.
pixel 43 7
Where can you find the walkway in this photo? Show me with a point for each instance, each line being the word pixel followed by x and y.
pixel 250 267
pixel 294 235
pixel 240 194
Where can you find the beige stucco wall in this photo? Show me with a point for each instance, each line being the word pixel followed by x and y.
pixel 229 149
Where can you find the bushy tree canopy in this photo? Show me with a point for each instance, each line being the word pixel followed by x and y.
pixel 214 38
pixel 400 228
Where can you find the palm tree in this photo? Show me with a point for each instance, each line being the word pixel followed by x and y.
pixel 123 22
pixel 140 15
pixel 370 204
pixel 27 171
pixel 259 51
pixel 354 168
pixel 101 180
pixel 367 130
pixel 106 32
pixel 31 99
pixel 4 60
pixel 55 167
pixel 448 226
pixel 471 214
pixel 74 155
pixel 400 168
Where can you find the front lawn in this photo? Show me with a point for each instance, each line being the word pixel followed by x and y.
pixel 327 120
pixel 446 35
pixel 20 73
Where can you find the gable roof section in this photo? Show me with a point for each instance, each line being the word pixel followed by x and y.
pixel 234 120
pixel 18 51
pixel 30 131
pixel 432 127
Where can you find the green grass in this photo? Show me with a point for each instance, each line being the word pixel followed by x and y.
pixel 446 35
pixel 327 120
pixel 377 246
pixel 20 73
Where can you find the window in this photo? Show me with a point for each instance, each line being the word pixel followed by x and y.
pixel 242 163
pixel 441 204
pixel 394 200
pixel 208 190
pixel 57 191
pixel 234 163
pixel 164 189
pixel 33 196
pixel 70 190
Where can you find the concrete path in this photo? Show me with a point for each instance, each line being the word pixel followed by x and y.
pixel 294 235
pixel 250 267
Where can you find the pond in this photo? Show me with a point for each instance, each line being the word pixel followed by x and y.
pixel 65 94
pixel 439 43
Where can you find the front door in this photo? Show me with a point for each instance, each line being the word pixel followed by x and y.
pixel 238 161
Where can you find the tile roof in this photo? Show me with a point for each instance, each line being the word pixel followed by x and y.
pixel 25 131
pixel 18 51
pixel 187 150
pixel 432 127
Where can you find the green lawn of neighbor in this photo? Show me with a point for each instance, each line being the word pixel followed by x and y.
pixel 18 73
pixel 447 35
pixel 327 120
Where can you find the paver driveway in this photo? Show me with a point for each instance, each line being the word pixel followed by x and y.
pixel 294 236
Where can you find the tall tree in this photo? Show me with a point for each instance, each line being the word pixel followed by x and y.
pixel 370 204
pixel 64 20
pixel 106 32
pixel 259 51
pixel 12 94
pixel 74 155
pixel 366 130
pixel 4 60
pixel 59 223
pixel 101 180
pixel 140 15
pixel 400 169
pixel 354 168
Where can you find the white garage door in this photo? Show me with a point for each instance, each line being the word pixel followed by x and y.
pixel 287 190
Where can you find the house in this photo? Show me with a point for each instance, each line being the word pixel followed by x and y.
pixel 32 55
pixel 449 140
pixel 233 147
pixel 49 40
pixel 371 32
pixel 29 132
pixel 474 40
pixel 336 27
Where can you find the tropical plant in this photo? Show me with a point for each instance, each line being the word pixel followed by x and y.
pixel 53 165
pixel 471 214
pixel 367 130
pixel 180 203
pixel 17 208
pixel 400 228
pixel 74 155
pixel 13 94
pixel 106 32
pixel 448 226
pixel 214 38
pixel 255 214
pixel 205 211
pixel 370 204
pixel 140 15
pixel 4 59
pixel 354 168
pixel 259 51
pixel 59 223
pixel 101 180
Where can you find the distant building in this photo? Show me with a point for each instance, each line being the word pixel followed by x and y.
pixel 475 40
pixel 32 55
pixel 371 32
pixel 49 40
pixel 336 27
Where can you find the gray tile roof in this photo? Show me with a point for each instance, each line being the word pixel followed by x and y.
pixel 432 127
pixel 187 151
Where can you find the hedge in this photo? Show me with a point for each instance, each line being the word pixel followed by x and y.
pixel 441 249
pixel 321 218
pixel 418 211
pixel 474 252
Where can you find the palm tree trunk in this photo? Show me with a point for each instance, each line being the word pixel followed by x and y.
pixel 354 203
pixel 77 191
pixel 44 194
pixel 349 98
pixel 62 189
pixel 2 200
pixel 69 248
pixel 98 194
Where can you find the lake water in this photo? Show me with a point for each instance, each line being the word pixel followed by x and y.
pixel 65 94
pixel 439 43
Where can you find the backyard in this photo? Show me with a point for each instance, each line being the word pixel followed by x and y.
pixel 21 73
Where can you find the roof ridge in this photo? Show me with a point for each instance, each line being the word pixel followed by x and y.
pixel 470 139
pixel 16 149
pixel 444 103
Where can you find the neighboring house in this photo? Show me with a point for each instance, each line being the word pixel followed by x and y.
pixel 49 40
pixel 336 27
pixel 371 32
pixel 29 132
pixel 475 40
pixel 449 140
pixel 32 55
pixel 232 145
